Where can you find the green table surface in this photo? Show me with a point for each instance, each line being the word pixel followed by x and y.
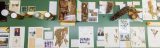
pixel 43 5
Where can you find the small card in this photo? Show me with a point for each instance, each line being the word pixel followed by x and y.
pixel 48 35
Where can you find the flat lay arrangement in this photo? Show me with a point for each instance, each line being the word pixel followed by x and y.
pixel 79 23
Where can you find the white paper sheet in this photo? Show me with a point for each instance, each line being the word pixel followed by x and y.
pixel 124 30
pixel 153 36
pixel 53 7
pixel 17 37
pixel 34 34
pixel 15 6
pixel 102 7
pixel 112 37
pixel 137 37
pixel 146 14
pixel 86 38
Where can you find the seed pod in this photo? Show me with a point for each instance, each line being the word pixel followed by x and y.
pixel 120 13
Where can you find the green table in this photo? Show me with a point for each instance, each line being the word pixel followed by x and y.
pixel 43 5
